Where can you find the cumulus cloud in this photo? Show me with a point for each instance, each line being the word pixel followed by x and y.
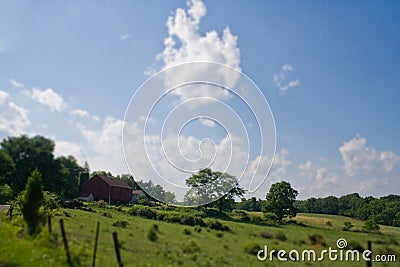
pixel 185 44
pixel 13 118
pixel 15 83
pixel 105 146
pixel 358 158
pixel 67 148
pixel 282 79
pixel 47 98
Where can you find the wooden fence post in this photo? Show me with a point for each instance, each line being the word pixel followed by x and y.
pixel 117 252
pixel 64 236
pixel 369 247
pixel 95 244
pixel 49 224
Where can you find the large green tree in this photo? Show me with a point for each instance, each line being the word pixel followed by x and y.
pixel 28 154
pixel 280 200
pixel 213 188
pixel 19 156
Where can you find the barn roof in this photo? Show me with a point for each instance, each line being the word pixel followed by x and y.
pixel 137 192
pixel 114 182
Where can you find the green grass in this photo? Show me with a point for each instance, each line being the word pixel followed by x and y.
pixel 175 246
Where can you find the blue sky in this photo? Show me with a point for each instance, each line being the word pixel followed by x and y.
pixel 329 70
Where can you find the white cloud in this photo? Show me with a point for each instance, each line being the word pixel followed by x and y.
pixel 208 123
pixel 80 112
pixel 361 159
pixel 13 118
pixel 306 168
pixel 67 148
pixel 48 98
pixel 185 44
pixel 105 146
pixel 15 83
pixel 282 80
pixel 125 36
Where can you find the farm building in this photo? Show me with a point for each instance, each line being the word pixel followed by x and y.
pixel 109 189
pixel 136 194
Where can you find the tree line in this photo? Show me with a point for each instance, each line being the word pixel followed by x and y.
pixel 384 210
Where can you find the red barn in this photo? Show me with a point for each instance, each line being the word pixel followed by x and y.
pixel 108 189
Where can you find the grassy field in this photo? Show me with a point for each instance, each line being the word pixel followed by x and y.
pixel 175 244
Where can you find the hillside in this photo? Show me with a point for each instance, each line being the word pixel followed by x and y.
pixel 182 245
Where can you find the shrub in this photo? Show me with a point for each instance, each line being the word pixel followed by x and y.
pixel 107 214
pixel 187 231
pixel 354 245
pixel 370 226
pixel 192 220
pixel 347 226
pixel 32 199
pixel 267 235
pixel 219 234
pixel 197 229
pixel 271 217
pixel 172 216
pixel 328 223
pixel 121 224
pixel 190 247
pixel 280 236
pixel 317 239
pixel 252 247
pixel 143 211
pixel 50 201
pixel 217 225
pixel 100 204
pixel 152 235
pixel 241 215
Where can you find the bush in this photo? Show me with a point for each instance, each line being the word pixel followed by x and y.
pixel 121 224
pixel 347 226
pixel 271 217
pixel 328 223
pixel 6 193
pixel 50 201
pixel 267 235
pixel 187 231
pixel 107 214
pixel 354 245
pixel 190 247
pixel 280 236
pixel 217 225
pixel 252 247
pixel 241 215
pixel 143 211
pixel 100 204
pixel 192 220
pixel 32 199
pixel 219 234
pixel 152 235
pixel 172 216
pixel 370 226
pixel 317 239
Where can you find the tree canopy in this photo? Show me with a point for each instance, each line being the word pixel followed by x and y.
pixel 280 200
pixel 213 188
pixel 20 156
